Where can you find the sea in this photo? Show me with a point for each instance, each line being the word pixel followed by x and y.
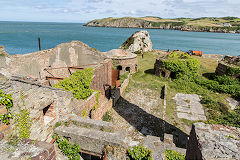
pixel 22 38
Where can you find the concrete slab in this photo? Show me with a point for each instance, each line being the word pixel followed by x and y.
pixel 92 123
pixel 189 107
pixel 92 140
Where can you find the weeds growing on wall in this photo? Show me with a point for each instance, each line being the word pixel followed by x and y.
pixel 23 121
pixel 71 151
pixel 7 102
pixel 79 83
pixel 107 117
pixel 173 155
pixel 140 153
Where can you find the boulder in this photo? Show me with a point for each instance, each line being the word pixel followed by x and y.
pixel 138 42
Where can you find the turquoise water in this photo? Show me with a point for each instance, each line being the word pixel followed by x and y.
pixel 21 37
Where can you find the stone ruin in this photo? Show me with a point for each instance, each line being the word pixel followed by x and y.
pixel 211 141
pixel 159 70
pixel 138 42
pixel 124 61
pixel 228 61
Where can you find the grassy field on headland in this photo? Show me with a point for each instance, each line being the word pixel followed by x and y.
pixel 204 24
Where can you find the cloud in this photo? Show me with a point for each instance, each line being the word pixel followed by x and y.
pixel 85 10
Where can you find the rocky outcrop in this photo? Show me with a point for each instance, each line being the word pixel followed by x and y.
pixel 130 22
pixel 126 22
pixel 2 51
pixel 208 141
pixel 138 42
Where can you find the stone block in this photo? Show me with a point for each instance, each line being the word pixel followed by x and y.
pixel 92 140
pixel 92 123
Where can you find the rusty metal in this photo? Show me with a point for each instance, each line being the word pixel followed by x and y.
pixel 91 153
pixel 118 83
pixel 39 43
pixel 71 67
pixel 55 78
pixel 115 76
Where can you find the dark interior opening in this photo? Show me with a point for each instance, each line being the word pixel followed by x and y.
pixel 128 69
pixel 46 109
pixel 89 157
pixel 119 67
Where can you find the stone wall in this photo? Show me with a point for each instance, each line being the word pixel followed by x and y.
pixel 132 63
pixel 54 62
pixel 3 127
pixel 47 105
pixel 27 149
pixel 102 76
pixel 209 141
pixel 159 70
pixel 221 69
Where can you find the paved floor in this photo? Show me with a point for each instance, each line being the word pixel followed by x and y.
pixel 189 107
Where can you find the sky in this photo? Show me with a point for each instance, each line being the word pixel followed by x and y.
pixel 86 10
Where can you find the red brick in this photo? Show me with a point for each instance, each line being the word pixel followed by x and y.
pixel 1 136
pixel 42 156
pixel 52 156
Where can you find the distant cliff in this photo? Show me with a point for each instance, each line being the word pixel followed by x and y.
pixel 183 24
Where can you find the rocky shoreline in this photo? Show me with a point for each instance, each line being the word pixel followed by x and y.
pixel 143 24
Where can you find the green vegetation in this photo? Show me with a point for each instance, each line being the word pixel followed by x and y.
pixel 23 121
pixel 71 151
pixel 13 140
pixel 145 79
pixel 199 24
pixel 7 102
pixel 84 113
pixel 140 153
pixel 173 155
pixel 79 83
pixel 57 124
pixel 182 65
pixel 127 43
pixel 158 24
pixel 107 117
pixel 123 77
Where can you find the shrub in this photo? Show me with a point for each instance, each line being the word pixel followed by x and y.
pixel 140 153
pixel 79 83
pixel 182 65
pixel 173 155
pixel 71 151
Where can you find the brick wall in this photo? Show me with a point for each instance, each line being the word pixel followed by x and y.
pixel 49 152
pixel 3 127
pixel 130 62
pixel 102 75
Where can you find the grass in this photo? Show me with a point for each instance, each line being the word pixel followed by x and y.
pixel 145 78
